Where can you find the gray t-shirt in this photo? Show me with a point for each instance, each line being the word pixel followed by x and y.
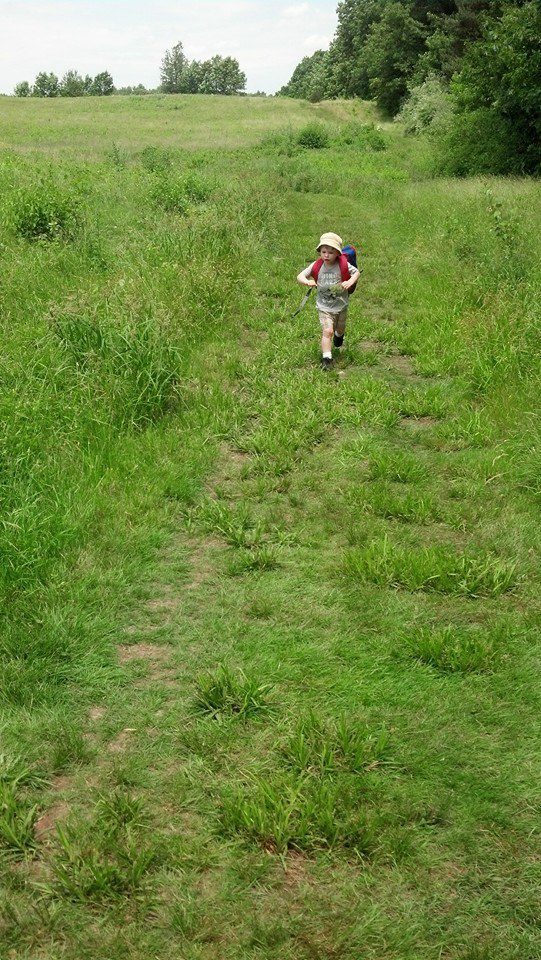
pixel 329 300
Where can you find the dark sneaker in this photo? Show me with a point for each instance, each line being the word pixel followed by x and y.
pixel 326 363
pixel 338 341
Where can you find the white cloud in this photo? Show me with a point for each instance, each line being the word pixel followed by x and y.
pixel 316 42
pixel 129 37
pixel 297 10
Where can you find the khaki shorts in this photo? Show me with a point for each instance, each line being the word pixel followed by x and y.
pixel 332 322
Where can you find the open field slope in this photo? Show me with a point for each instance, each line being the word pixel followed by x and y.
pixel 270 645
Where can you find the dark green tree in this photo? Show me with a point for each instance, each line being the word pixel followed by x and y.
pixel 222 75
pixel 173 68
pixel 390 54
pixel 302 78
pixel 102 85
pixel 23 89
pixel 72 84
pixel 45 85
pixel 498 95
pixel 355 19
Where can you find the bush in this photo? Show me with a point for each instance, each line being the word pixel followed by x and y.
pixel 313 136
pixel 481 141
pixel 428 106
pixel 155 159
pixel 362 135
pixel 44 211
pixel 497 96
pixel 283 142
pixel 177 193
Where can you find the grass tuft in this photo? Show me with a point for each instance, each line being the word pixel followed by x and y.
pixel 17 820
pixel 432 569
pixel 44 211
pixel 305 814
pixel 322 747
pixel 223 694
pixel 454 649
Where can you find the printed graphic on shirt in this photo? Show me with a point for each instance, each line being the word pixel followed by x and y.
pixel 331 296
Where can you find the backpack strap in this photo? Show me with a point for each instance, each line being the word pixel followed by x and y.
pixel 344 267
pixel 316 268
pixel 343 263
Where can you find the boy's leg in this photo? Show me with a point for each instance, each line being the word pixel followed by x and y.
pixel 340 328
pixel 327 330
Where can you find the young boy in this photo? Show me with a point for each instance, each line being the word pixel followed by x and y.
pixel 332 294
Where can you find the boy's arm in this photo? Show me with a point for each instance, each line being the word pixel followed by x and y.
pixel 305 279
pixel 353 279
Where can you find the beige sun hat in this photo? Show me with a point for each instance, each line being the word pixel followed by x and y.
pixel 330 240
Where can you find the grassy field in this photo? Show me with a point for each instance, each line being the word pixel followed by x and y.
pixel 270 644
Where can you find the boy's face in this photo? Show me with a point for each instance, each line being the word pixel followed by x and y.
pixel 327 254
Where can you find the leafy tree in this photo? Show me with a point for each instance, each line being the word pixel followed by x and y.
pixel 45 85
pixel 23 89
pixel 222 75
pixel 390 54
pixel 301 79
pixel 355 19
pixel 193 77
pixel 72 84
pixel 499 89
pixel 102 85
pixel 172 70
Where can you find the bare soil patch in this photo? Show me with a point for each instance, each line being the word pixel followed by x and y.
pixel 120 742
pixel 369 346
pixel 401 364
pixel 419 423
pixel 59 810
pixel 142 651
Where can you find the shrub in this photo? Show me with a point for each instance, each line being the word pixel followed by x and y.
pixel 365 136
pixel 480 141
pixel 428 106
pixel 497 96
pixel 155 159
pixel 283 142
pixel 176 194
pixel 313 136
pixel 44 211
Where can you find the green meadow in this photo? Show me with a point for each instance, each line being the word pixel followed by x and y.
pixel 270 645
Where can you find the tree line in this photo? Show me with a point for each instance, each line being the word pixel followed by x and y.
pixel 473 67
pixel 219 75
pixel 72 84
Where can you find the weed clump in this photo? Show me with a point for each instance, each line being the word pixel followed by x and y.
pixel 17 820
pixel 110 863
pixel 177 194
pixel 432 570
pixel 364 136
pixel 282 813
pixel 44 211
pixel 156 159
pixel 397 466
pixel 315 746
pixel 314 136
pixel 222 694
pixel 454 649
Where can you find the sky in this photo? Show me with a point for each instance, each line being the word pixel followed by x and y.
pixel 129 37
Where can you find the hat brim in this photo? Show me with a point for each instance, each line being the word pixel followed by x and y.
pixel 331 245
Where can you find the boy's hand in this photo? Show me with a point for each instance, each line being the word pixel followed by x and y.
pixel 348 283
